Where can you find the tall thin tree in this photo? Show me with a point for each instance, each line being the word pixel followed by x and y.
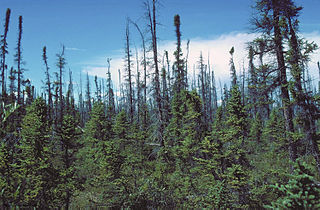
pixel 18 60
pixel 61 62
pixel 4 46
pixel 151 14
pixel 48 82
pixel 129 72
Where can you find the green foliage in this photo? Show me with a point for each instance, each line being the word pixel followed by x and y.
pixel 9 171
pixel 235 160
pixel 301 191
pixel 182 139
pixel 272 146
pixel 69 140
pixel 97 133
pixel 224 165
pixel 212 168
pixel 38 175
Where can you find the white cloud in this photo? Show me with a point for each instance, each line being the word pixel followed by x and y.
pixel 217 49
pixel 98 67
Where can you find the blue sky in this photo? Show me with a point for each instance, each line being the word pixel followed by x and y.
pixel 93 30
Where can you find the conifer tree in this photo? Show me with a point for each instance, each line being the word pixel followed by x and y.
pixel 214 91
pixel 271 12
pixel 69 145
pixel 88 95
pixel 212 166
pixel 168 74
pixel 297 57
pixel 129 72
pixel 98 91
pixel 127 156
pixel 202 87
pixel 235 160
pixel 301 192
pixel 39 175
pixel 12 86
pixel 61 62
pixel 262 79
pixel 182 139
pixel 233 69
pixel 272 146
pixel 110 104
pixel 151 15
pixel 10 178
pixel 113 160
pixel 89 166
pixel 179 62
pixel 165 95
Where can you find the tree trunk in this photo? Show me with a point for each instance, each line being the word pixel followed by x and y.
pixel 19 60
pixel 4 52
pixel 128 60
pixel 287 109
pixel 301 97
pixel 153 25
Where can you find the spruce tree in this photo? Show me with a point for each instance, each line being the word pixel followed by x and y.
pixel 39 175
pixel 212 167
pixel 182 140
pixel 235 160
pixel 89 165
pixel 179 62
pixel 269 22
pixel 61 62
pixel 48 83
pixel 10 178
pixel 69 141
pixel 129 73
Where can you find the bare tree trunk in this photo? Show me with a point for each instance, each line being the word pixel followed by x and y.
pixel 138 88
pixel 144 72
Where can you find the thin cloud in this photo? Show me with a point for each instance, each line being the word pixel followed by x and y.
pixel 74 49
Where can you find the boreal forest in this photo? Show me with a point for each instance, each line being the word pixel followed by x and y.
pixel 172 137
